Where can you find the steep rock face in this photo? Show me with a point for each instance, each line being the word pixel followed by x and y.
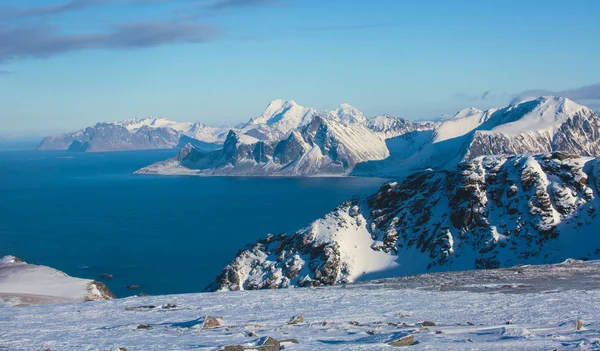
pixel 323 147
pixel 490 212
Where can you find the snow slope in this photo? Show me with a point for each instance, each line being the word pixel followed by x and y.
pixel 24 284
pixel 524 308
pixel 494 211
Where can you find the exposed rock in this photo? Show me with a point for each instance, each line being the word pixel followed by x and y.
pixel 403 341
pixel 233 348
pixel 267 343
pixel 297 319
pixel 211 322
pixel 579 324
pixel 467 218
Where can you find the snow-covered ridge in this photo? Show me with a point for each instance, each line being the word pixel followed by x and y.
pixel 26 284
pixel 278 120
pixel 541 125
pixel 493 211
pixel 322 147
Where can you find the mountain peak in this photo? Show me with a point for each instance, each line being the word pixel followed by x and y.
pixel 348 114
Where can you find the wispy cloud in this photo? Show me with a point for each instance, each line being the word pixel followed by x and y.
pixel 46 41
pixel 26 33
pixel 72 5
pixel 588 92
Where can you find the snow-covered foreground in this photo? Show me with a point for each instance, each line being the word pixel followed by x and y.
pixel 523 308
pixel 23 284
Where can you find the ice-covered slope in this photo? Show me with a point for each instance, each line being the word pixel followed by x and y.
pixel 26 284
pixel 523 308
pixel 540 125
pixel 490 212
pixel 323 147
pixel 134 134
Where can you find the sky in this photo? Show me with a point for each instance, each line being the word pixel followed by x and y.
pixel 67 64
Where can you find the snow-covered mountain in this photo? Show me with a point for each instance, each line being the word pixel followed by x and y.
pixel 391 127
pixel 134 134
pixel 279 118
pixel 540 125
pixel 322 147
pixel 24 284
pixel 492 211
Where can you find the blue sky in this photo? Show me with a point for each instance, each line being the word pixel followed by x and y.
pixel 68 64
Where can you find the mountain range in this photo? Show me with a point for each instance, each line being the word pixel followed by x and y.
pixel 136 134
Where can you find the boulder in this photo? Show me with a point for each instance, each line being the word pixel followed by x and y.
pixel 403 341
pixel 297 319
pixel 211 322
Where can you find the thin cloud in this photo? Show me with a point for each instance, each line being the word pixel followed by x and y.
pixel 44 41
pixel 73 5
pixel 588 92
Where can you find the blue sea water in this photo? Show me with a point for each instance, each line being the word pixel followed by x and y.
pixel 87 214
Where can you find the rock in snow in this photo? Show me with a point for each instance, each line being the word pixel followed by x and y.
pixel 490 212
pixel 24 284
pixel 470 310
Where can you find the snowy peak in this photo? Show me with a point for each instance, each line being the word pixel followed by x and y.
pixel 546 113
pixel 283 116
pixel 348 114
